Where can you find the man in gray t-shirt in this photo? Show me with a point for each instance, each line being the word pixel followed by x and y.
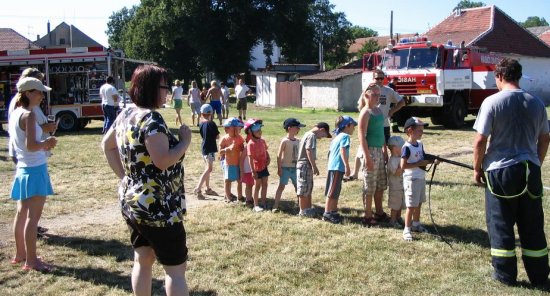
pixel 510 167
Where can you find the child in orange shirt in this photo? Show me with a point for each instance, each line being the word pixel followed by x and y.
pixel 231 149
pixel 259 160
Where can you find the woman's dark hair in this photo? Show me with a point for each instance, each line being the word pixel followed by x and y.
pixel 145 90
pixel 509 69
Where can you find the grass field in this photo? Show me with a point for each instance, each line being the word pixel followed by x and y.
pixel 234 251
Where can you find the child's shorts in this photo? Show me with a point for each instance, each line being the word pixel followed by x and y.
pixel 31 181
pixel 396 200
pixel 247 179
pixel 263 173
pixel 304 174
pixel 231 172
pixel 334 184
pixel 288 173
pixel 377 179
pixel 415 191
pixel 210 157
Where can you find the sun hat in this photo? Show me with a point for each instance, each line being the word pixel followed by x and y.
pixel 206 109
pixel 396 141
pixel 289 122
pixel 31 83
pixel 250 122
pixel 233 121
pixel 414 121
pixel 256 127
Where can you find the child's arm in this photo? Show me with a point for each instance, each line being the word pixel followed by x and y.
pixel 395 171
pixel 242 159
pixel 363 125
pixel 311 159
pixel 280 158
pixel 222 150
pixel 420 163
pixel 345 159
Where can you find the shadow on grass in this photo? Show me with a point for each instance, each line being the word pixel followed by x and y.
pixel 101 276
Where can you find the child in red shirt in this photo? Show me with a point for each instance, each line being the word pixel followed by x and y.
pixel 259 160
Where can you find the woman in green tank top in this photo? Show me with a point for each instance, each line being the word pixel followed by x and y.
pixel 372 141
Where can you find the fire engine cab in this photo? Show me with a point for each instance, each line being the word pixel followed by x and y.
pixel 442 81
pixel 75 76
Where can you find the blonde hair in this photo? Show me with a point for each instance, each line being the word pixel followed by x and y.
pixel 214 83
pixel 362 102
pixel 177 82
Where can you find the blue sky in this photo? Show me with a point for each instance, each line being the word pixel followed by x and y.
pixel 29 17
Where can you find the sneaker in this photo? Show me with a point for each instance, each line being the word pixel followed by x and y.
pixel 381 218
pixel 242 199
pixel 407 235
pixel 258 209
pixel 198 194
pixel 330 217
pixel 369 222
pixel 209 191
pixel 309 212
pixel 396 225
pixel 419 228
pixel 249 203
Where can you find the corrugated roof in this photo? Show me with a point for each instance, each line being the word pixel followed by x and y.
pixel 332 75
pixel 11 40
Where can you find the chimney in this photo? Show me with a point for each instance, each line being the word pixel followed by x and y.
pixel 37 37
pixel 49 35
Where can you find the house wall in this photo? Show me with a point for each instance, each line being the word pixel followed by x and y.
pixel 350 92
pixel 536 71
pixel 320 94
pixel 265 89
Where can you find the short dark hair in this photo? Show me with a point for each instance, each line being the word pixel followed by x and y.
pixel 509 69
pixel 110 79
pixel 145 90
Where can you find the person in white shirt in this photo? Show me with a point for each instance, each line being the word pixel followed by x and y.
pixel 240 91
pixel 177 92
pixel 225 100
pixel 109 103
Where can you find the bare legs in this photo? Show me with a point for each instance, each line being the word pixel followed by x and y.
pixel 260 183
pixel 205 177
pixel 178 117
pixel 25 228
pixel 142 274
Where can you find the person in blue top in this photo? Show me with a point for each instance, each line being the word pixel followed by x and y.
pixel 210 134
pixel 338 166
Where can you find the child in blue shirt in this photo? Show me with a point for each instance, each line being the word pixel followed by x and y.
pixel 338 166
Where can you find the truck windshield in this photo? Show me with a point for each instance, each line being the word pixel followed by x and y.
pixel 411 58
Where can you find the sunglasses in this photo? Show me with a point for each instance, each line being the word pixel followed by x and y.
pixel 379 78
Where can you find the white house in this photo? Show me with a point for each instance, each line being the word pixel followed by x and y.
pixel 337 89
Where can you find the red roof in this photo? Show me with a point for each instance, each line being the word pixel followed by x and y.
pixel 545 37
pixel 381 40
pixel 488 27
pixel 11 40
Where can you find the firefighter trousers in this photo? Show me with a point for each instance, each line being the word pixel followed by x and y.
pixel 509 200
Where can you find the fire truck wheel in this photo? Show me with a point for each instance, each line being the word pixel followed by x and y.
pixel 456 112
pixel 67 121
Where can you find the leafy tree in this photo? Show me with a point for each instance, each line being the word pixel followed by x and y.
pixel 468 4
pixel 117 25
pixel 369 46
pixel 362 32
pixel 534 21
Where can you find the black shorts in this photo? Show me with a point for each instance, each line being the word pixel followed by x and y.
pixel 169 243
pixel 263 173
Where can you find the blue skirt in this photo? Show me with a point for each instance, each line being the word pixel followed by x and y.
pixel 31 181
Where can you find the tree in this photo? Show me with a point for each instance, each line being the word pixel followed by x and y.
pixel 534 21
pixel 369 46
pixel 117 26
pixel 362 32
pixel 468 4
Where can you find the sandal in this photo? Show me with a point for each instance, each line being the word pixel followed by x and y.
pixel 41 267
pixel 209 191
pixel 369 222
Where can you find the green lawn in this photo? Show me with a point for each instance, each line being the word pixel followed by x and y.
pixel 234 251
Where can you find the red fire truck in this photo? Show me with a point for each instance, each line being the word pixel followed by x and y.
pixel 75 76
pixel 441 81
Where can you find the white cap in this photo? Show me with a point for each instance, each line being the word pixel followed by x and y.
pixel 30 83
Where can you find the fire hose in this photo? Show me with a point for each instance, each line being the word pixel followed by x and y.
pixel 434 166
